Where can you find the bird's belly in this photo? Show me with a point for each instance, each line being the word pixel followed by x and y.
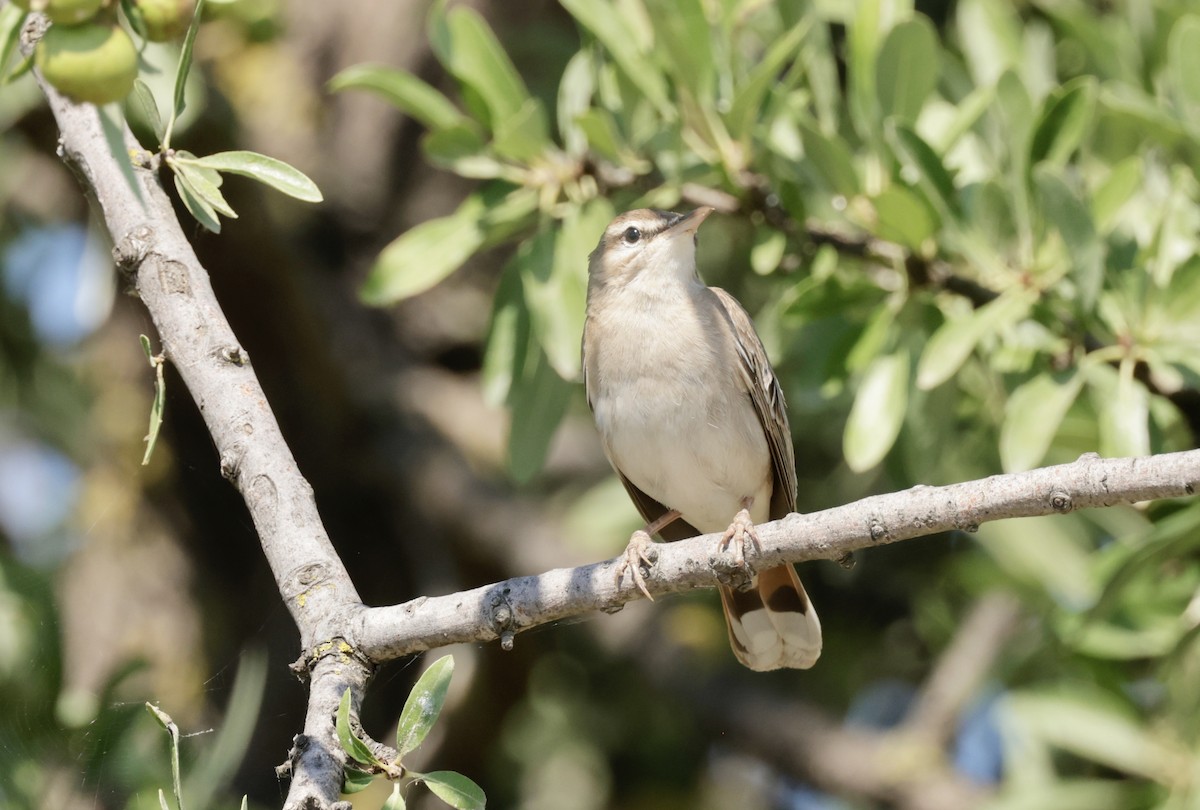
pixel 701 455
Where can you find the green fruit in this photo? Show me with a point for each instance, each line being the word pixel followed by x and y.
pixel 166 19
pixel 71 12
pixel 88 62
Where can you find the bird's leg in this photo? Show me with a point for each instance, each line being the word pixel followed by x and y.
pixel 640 550
pixel 741 528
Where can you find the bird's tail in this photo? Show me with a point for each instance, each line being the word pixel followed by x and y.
pixel 773 624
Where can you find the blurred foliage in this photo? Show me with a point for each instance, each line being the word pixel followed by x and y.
pixel 972 244
pixel 969 239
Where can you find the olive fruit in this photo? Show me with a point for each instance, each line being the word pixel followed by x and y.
pixel 88 62
pixel 166 19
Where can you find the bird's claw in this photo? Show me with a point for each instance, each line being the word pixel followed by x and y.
pixel 640 551
pixel 735 536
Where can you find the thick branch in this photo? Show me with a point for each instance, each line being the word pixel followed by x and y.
pixel 505 608
pixel 151 247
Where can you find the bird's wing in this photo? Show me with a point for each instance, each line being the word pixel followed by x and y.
pixel 767 396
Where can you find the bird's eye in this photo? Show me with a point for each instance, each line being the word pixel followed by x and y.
pixel 631 236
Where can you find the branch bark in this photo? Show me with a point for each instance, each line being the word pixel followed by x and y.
pixel 342 638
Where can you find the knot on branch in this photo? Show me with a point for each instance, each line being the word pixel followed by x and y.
pixel 503 619
pixel 1060 501
pixel 336 647
pixel 133 247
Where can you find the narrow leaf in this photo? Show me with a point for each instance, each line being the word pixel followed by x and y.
pixel 424 704
pixel 1072 218
pixel 160 399
pixel 954 340
pixel 907 68
pixel 537 401
pixel 423 256
pixel 610 29
pixel 747 104
pixel 1065 116
pixel 878 412
pixel 467 47
pixel 1125 416
pixel 932 178
pixel 1032 416
pixel 112 123
pixel 274 173
pixel 1183 48
pixel 830 159
pixel 351 744
pixel 197 207
pixel 181 72
pixel 142 99
pixel 409 94
pixel 354 780
pixel 201 184
pixel 455 790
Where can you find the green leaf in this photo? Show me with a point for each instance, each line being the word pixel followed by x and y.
pixel 196 206
pixel 395 801
pixel 767 251
pixel 1125 416
pixel 160 399
pixel 405 92
pixel 903 217
pixel 1073 220
pixel 424 704
pixel 354 780
pixel 469 50
pixel 142 100
pixel 907 68
pixel 931 176
pixel 990 33
pixel 1063 121
pixel 952 343
pixel 268 170
pixel 455 790
pixel 461 149
pixel 112 124
pixel 610 28
pixel 575 91
pixel 553 269
pixel 747 103
pixel 522 135
pixel 537 401
pixel 877 413
pixel 11 18
pixel 352 745
pixel 1092 727
pixel 1183 60
pixel 830 159
pixel 508 336
pixel 181 72
pixel 601 133
pixel 424 255
pixel 1032 416
pixel 679 27
pixel 201 184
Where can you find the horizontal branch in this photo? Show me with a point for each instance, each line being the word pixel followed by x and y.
pixel 502 609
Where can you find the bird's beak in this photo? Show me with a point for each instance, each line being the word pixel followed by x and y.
pixel 690 222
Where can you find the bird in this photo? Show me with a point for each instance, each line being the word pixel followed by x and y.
pixel 692 418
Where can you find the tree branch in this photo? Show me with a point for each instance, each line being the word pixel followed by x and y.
pixel 502 609
pixel 151 248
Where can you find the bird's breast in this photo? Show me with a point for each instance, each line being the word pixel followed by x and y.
pixel 671 407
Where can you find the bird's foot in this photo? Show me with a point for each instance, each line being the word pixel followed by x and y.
pixel 740 529
pixel 639 552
